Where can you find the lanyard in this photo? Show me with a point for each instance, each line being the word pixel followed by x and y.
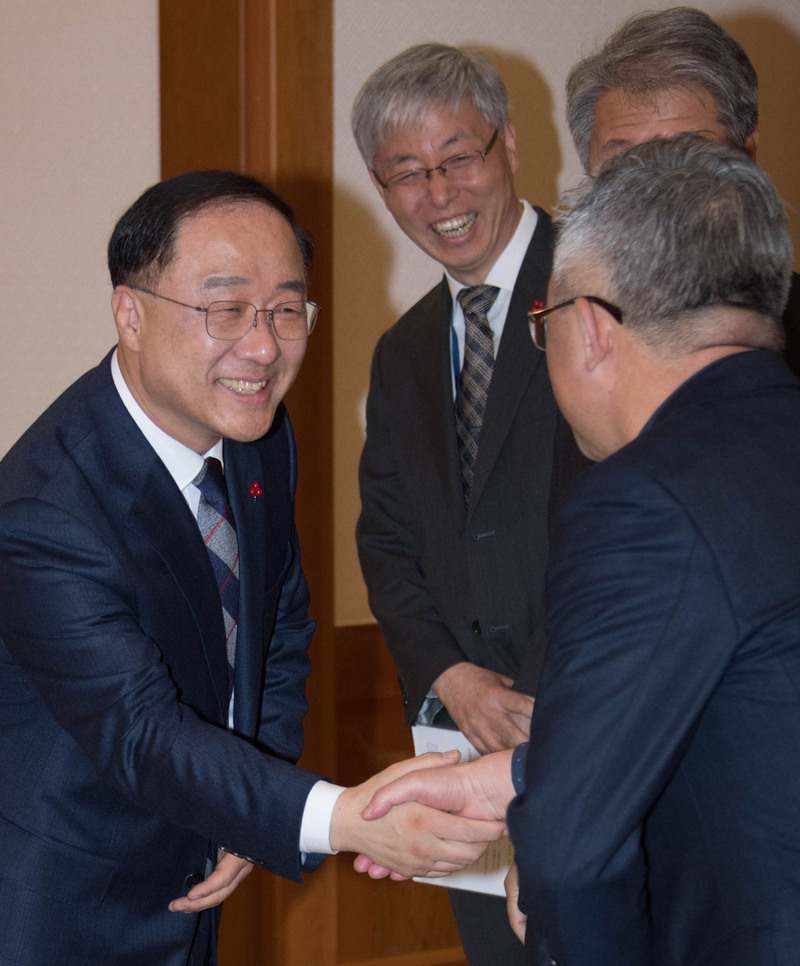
pixel 456 362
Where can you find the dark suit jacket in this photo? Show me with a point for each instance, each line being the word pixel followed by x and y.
pixel 791 322
pixel 660 820
pixel 118 773
pixel 446 585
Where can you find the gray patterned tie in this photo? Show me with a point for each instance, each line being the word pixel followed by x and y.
pixel 218 529
pixel 476 374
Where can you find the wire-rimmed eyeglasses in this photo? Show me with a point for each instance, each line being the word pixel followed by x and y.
pixel 457 167
pixel 229 321
pixel 537 318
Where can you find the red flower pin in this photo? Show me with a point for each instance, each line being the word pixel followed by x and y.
pixel 255 490
pixel 537 306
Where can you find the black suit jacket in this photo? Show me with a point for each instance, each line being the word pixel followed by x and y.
pixel 791 322
pixel 661 815
pixel 446 585
pixel 117 774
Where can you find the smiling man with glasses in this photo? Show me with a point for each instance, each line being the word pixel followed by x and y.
pixel 155 622
pixel 465 450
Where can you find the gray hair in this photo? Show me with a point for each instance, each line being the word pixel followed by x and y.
pixel 673 49
pixel 420 78
pixel 681 228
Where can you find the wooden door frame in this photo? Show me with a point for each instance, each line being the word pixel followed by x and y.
pixel 247 85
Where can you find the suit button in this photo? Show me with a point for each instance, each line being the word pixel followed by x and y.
pixel 193 879
pixel 476 627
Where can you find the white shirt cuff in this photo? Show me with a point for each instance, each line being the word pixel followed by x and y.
pixel 315 829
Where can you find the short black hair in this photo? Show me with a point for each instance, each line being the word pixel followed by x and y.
pixel 143 241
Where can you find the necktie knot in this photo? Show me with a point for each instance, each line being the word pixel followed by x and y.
pixel 477 300
pixel 211 483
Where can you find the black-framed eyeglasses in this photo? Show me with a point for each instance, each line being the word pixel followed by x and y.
pixel 229 321
pixel 460 166
pixel 537 318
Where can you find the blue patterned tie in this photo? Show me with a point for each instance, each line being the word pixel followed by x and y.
pixel 476 374
pixel 218 529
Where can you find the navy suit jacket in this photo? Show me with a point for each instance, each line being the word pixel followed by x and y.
pixel 660 819
pixel 118 774
pixel 447 585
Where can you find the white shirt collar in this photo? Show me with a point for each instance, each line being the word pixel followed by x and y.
pixel 505 270
pixel 183 463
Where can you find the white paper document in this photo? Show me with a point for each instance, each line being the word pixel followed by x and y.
pixel 487 874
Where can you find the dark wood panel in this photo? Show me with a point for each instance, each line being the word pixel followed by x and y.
pixel 235 82
pixel 200 90
pixel 247 85
pixel 393 923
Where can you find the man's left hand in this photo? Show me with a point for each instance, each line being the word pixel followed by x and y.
pixel 228 873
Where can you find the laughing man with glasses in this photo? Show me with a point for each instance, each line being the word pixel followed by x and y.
pixel 457 588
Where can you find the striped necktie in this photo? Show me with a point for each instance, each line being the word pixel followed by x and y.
pixel 476 374
pixel 218 529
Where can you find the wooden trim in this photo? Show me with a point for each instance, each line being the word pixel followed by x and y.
pixel 454 956
pixel 247 85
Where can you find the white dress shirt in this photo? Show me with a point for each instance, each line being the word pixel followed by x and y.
pixel 503 274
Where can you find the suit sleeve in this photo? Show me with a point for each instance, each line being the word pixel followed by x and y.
pixel 390 554
pixel 641 631
pixel 69 621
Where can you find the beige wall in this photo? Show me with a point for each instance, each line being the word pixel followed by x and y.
pixel 378 273
pixel 79 127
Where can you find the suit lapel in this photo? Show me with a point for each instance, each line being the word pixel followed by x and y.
pixel 517 359
pixel 433 376
pixel 141 493
pixel 257 543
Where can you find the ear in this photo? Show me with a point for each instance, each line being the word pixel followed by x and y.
pixel 750 145
pixel 125 306
pixel 598 332
pixel 510 141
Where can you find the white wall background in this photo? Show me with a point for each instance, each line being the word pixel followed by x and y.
pixel 79 141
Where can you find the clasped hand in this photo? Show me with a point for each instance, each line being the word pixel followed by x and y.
pixel 485 707
pixel 478 791
pixel 406 835
pixel 399 823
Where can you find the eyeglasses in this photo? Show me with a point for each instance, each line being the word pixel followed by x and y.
pixel 537 319
pixel 461 167
pixel 229 321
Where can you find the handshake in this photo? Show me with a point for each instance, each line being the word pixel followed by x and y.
pixel 427 816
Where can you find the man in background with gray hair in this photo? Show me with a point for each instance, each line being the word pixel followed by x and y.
pixel 464 445
pixel 658 809
pixel 661 74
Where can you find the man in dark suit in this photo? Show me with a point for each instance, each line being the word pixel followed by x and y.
pixel 455 569
pixel 658 812
pixel 147 714
pixel 657 75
